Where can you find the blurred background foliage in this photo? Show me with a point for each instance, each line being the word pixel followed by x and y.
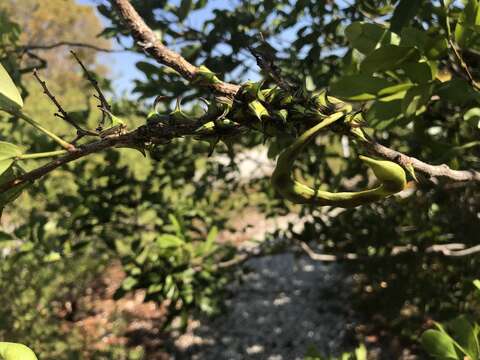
pixel 159 216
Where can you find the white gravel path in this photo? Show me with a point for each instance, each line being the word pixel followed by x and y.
pixel 283 306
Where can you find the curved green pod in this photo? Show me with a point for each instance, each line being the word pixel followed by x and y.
pixel 391 176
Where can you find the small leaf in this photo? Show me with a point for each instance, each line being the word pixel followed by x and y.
pixel 463 332
pixel 10 98
pixel 366 37
pixel 438 344
pixel 113 124
pixel 419 72
pixel 411 171
pixel 12 173
pixel 403 14
pixel 389 57
pixel 359 87
pixel 416 99
pixel 184 9
pixel 211 237
pixel 361 352
pixel 128 283
pixel 8 153
pixel 458 92
pixel 477 284
pixel 381 114
pixel 169 240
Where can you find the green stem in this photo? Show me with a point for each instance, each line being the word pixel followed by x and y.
pixel 51 135
pixel 41 155
pixel 447 20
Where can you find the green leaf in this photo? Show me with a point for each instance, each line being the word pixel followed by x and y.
pixel 458 92
pixel 359 87
pixel 10 98
pixel 477 284
pixel 403 14
pixel 177 226
pixel 463 332
pixel 184 9
pixel 113 124
pixel 361 352
pixel 15 351
pixel 416 99
pixel 465 27
pixel 473 115
pixel 419 72
pixel 129 283
pixel 147 68
pixel 366 37
pixel 394 89
pixel 382 115
pixel 8 196
pixel 168 241
pixel 4 236
pixel 8 153
pixel 438 344
pixel 212 236
pixel 389 57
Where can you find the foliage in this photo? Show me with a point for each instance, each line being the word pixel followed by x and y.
pixel 458 339
pixel 71 227
pixel 360 353
pixel 408 70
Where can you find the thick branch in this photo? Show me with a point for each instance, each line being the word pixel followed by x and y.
pixel 431 170
pixel 136 138
pixel 75 154
pixel 148 41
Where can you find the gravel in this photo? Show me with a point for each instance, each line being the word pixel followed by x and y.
pixel 281 307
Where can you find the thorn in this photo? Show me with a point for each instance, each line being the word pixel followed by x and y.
pixel 177 105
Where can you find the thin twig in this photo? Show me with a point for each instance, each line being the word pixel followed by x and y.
pixel 463 65
pixel 103 101
pixel 65 43
pixel 444 249
pixel 62 114
pixel 74 154
pixel 266 61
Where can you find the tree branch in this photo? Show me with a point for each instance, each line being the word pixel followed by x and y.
pixel 72 155
pixel 62 114
pixel 136 138
pixel 431 170
pixel 454 249
pixel 148 42
pixel 65 43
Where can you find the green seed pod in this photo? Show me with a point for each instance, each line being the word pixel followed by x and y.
pixel 205 77
pixel 257 109
pixel 177 114
pixel 218 108
pixel 154 116
pixel 391 176
pixel 252 90
pixel 282 115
